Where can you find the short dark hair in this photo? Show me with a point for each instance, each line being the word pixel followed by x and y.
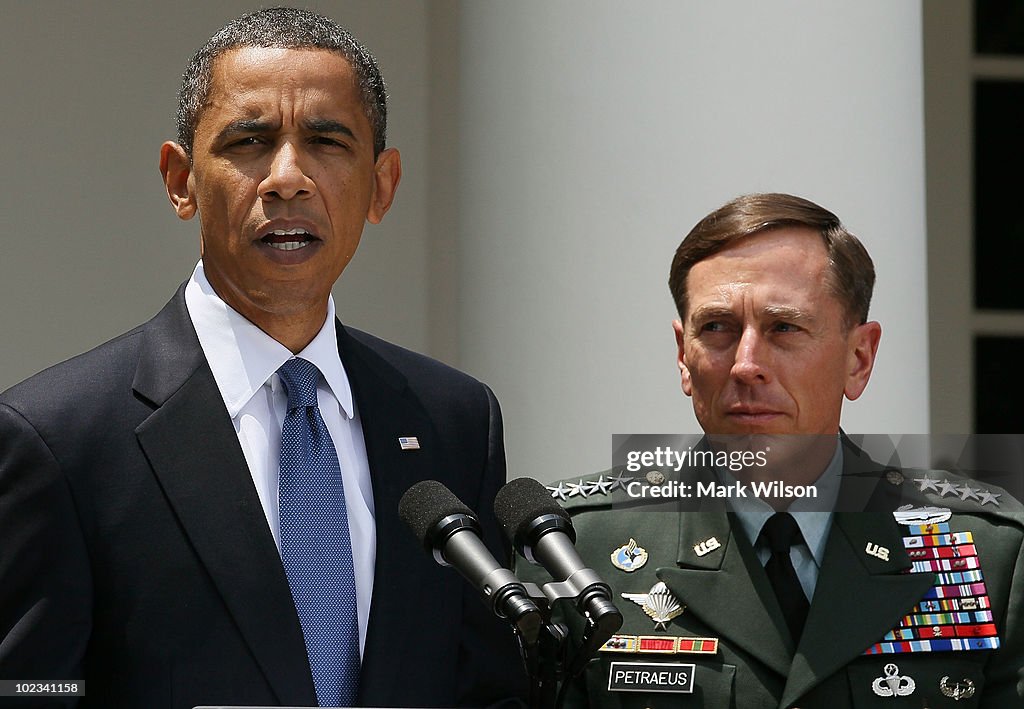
pixel 851 271
pixel 286 28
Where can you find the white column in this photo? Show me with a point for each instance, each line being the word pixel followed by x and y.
pixel 593 135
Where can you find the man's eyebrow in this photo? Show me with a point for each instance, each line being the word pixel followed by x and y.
pixel 249 126
pixel 785 312
pixel 707 312
pixel 328 125
pixel 243 125
pixel 776 312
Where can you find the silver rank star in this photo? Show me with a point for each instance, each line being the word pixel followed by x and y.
pixel 658 603
pixel 620 481
pixel 988 496
pixel 600 486
pixel 967 491
pixel 926 483
pixel 579 488
pixel 561 492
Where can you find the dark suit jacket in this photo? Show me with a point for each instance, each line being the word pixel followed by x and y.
pixel 858 598
pixel 134 553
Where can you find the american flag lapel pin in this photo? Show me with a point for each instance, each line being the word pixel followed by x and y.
pixel 409 443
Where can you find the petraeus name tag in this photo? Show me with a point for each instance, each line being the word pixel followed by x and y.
pixel 651 677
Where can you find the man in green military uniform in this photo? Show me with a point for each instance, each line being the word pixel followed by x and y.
pixel 891 588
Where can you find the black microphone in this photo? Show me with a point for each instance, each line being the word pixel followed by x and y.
pixel 542 532
pixel 451 532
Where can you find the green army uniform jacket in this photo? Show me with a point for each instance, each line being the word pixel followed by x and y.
pixel 732 631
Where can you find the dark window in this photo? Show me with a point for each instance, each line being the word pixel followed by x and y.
pixel 998 384
pixel 999 26
pixel 998 195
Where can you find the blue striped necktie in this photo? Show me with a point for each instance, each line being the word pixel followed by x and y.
pixel 315 545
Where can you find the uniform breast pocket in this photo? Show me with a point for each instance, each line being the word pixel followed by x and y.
pixel 935 680
pixel 652 682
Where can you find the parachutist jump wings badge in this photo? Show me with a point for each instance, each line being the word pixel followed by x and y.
pixel 658 603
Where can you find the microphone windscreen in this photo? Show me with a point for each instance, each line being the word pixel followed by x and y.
pixel 520 502
pixel 425 504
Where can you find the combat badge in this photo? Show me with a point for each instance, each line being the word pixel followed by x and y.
pixel 964 689
pixel 629 557
pixel 658 603
pixel 908 514
pixel 892 684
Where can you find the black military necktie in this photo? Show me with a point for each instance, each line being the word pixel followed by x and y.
pixel 779 534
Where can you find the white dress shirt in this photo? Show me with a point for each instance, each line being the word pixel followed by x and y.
pixel 245 360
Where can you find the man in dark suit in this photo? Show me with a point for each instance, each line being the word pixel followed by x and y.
pixel 158 521
pixel 890 588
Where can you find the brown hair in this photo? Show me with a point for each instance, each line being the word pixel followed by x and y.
pixel 851 272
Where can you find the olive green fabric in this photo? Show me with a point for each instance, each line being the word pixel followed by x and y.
pixel 859 597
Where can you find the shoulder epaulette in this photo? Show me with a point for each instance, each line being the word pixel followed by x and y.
pixel 960 494
pixel 609 487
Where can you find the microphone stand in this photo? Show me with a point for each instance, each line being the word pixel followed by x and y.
pixel 548 662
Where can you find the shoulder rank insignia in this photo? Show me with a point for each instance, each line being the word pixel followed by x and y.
pixel 604 485
pixel 945 488
pixel 658 603
pixel 629 557
pixel 955 613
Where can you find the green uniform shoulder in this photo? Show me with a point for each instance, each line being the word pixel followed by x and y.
pixel 960 494
pixel 614 486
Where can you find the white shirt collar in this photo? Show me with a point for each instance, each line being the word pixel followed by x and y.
pixel 244 358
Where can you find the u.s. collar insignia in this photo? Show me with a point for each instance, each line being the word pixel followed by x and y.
pixel 877 551
pixel 658 603
pixel 707 546
pixel 629 557
pixel 908 514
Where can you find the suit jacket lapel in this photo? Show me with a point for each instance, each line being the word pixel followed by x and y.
pixel 726 589
pixel 387 411
pixel 857 600
pixel 194 452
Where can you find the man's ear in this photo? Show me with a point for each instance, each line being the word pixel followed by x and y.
pixel 863 345
pixel 387 173
pixel 684 371
pixel 176 169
